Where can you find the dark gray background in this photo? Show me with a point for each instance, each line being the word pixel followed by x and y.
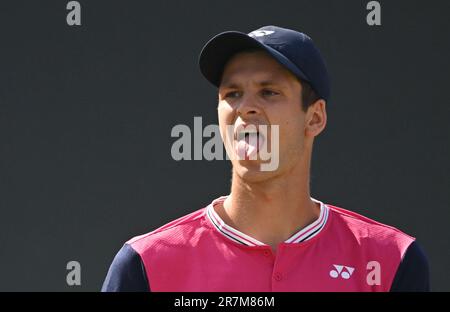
pixel 86 114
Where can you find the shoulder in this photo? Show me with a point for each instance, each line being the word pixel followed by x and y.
pixel 400 256
pixel 128 269
pixel 181 231
pixel 369 232
pixel 413 273
pixel 126 273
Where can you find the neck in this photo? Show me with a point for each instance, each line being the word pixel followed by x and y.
pixel 271 211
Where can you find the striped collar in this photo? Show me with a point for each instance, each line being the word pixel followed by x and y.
pixel 229 232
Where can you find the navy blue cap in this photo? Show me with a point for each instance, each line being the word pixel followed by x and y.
pixel 292 49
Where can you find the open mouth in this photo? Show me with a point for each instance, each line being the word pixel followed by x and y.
pixel 248 142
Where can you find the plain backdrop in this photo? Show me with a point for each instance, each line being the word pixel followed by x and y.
pixel 86 114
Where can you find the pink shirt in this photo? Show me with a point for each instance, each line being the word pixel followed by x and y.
pixel 340 251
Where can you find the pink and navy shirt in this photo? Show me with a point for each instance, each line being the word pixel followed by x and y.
pixel 340 251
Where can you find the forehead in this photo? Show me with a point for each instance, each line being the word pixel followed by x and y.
pixel 255 65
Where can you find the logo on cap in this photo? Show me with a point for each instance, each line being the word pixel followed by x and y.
pixel 260 33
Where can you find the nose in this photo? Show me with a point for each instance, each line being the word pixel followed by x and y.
pixel 248 106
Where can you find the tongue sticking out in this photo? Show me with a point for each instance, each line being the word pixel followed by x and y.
pixel 247 147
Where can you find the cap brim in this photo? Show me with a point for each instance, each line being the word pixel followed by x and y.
pixel 217 51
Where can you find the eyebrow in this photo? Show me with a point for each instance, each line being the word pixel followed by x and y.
pixel 233 85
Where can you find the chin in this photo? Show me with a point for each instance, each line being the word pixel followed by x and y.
pixel 250 171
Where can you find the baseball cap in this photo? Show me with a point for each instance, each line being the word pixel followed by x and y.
pixel 292 49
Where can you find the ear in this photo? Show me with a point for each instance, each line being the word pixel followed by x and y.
pixel 316 118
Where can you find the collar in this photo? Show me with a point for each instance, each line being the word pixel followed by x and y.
pixel 229 232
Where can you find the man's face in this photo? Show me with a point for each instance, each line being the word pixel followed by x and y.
pixel 256 90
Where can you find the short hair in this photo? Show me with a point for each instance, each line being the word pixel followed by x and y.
pixel 309 96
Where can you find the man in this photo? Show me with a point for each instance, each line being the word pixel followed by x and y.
pixel 268 234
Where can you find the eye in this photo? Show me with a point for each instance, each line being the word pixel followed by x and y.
pixel 232 94
pixel 268 92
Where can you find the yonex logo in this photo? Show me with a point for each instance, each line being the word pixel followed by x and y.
pixel 260 33
pixel 341 270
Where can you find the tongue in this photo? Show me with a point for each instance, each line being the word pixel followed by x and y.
pixel 247 147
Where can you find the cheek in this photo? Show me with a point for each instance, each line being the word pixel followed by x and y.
pixel 224 111
pixel 225 116
pixel 292 130
pixel 288 117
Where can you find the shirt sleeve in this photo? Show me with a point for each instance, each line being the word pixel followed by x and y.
pixel 126 273
pixel 413 272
